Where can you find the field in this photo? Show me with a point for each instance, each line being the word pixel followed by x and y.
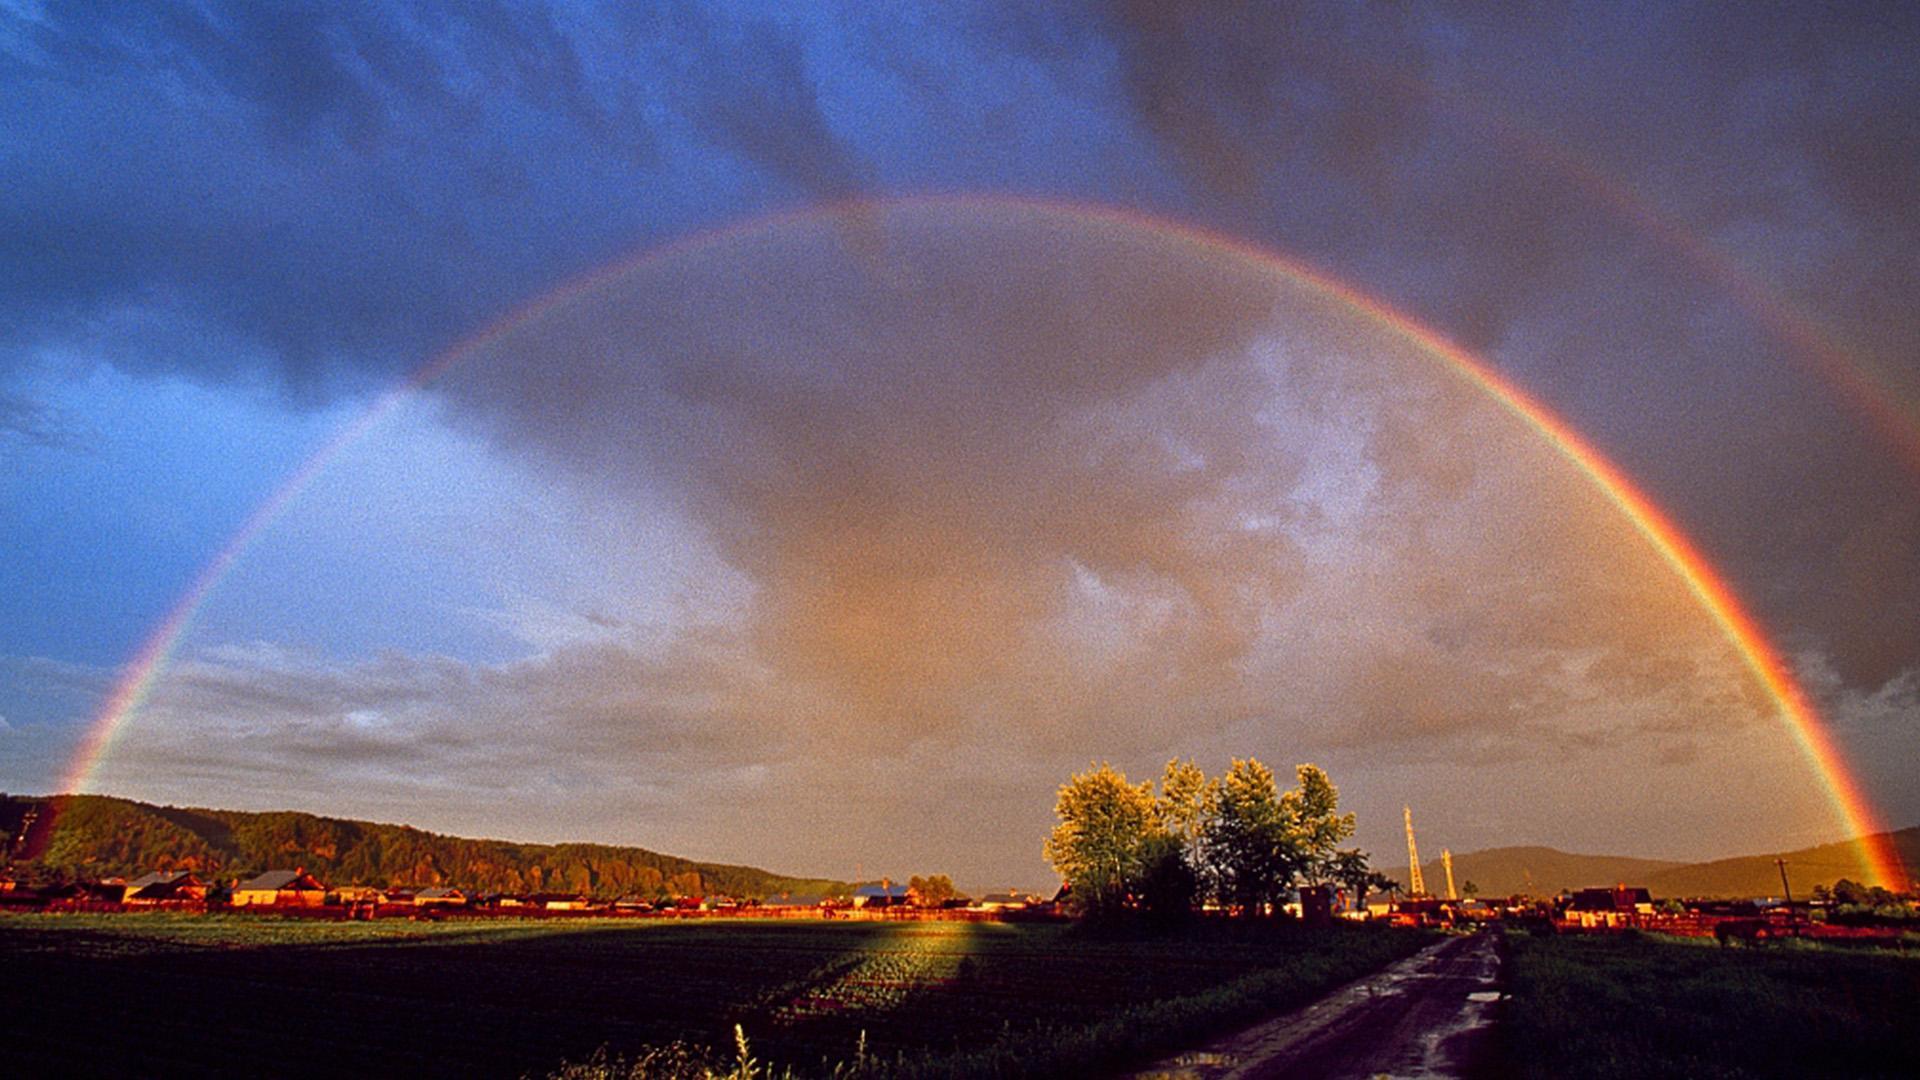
pixel 167 994
pixel 1637 1006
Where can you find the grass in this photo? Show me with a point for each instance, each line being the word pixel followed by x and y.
pixel 167 994
pixel 1607 1006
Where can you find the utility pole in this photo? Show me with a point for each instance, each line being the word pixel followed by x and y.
pixel 1416 885
pixel 1786 889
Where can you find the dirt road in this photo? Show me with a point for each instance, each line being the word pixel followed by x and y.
pixel 1429 1015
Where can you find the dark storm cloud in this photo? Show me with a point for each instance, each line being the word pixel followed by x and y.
pixel 1554 187
pixel 314 189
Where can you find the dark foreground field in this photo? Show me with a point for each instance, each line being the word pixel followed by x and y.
pixel 1633 1006
pixel 214 995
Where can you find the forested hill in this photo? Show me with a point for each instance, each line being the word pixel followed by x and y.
pixel 91 836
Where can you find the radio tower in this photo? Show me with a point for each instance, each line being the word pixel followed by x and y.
pixel 1446 860
pixel 1416 886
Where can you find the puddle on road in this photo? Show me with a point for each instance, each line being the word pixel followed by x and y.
pixel 1199 1065
pixel 1484 995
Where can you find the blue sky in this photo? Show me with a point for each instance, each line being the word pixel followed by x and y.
pixel 938 508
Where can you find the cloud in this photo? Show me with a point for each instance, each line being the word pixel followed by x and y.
pixel 1011 479
pixel 1685 232
pixel 318 193
pixel 37 424
pixel 1011 486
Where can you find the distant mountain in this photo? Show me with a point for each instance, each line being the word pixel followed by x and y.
pixel 1757 875
pixel 1538 871
pixel 92 836
pixel 1543 871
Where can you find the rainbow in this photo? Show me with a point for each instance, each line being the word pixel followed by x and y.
pixel 1715 597
pixel 1866 387
pixel 1869 392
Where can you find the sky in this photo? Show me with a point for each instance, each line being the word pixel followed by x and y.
pixel 804 435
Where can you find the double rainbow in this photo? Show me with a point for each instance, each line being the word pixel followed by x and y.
pixel 1855 813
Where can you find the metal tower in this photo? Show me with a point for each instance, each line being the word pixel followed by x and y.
pixel 1446 860
pixel 1416 885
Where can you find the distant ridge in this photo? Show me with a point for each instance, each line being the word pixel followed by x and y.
pixel 1544 871
pixel 1539 871
pixel 92 836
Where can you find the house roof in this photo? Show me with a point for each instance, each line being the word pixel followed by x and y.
pixel 794 900
pixel 158 877
pixel 880 892
pixel 276 880
pixel 1615 899
pixel 439 892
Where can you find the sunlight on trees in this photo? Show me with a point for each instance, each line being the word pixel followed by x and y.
pixel 1237 841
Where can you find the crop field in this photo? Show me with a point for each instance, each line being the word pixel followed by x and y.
pixel 1637 1006
pixel 167 994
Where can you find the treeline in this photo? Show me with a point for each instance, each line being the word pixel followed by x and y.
pixel 73 837
pixel 1236 841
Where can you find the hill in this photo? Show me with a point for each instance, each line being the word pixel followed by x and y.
pixel 89 836
pixel 1756 875
pixel 1538 871
pixel 1543 871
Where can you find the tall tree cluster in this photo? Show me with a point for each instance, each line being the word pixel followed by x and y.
pixel 1236 839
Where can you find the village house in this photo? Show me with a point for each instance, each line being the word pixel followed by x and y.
pixel 1608 908
pixel 356 894
pixel 881 895
pixel 165 887
pixel 280 888
pixel 111 889
pixel 439 896
pixel 1010 900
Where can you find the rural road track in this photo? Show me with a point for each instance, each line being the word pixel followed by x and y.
pixel 1429 1015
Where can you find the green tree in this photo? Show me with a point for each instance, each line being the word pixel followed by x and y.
pixel 931 892
pixel 1182 804
pixel 1351 870
pixel 1315 825
pixel 1251 854
pixel 1168 884
pixel 1101 845
pixel 1172 878
pixel 1379 882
